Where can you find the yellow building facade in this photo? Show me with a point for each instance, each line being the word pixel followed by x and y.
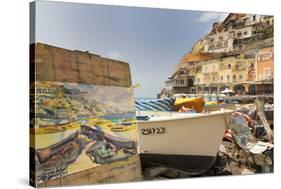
pixel 235 73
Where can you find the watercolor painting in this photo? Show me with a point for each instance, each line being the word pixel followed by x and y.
pixel 80 126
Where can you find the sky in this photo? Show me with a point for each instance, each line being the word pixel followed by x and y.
pixel 151 40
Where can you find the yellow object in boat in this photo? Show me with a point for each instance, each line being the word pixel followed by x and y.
pixel 194 103
pixel 211 103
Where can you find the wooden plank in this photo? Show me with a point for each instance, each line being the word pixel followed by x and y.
pixel 116 172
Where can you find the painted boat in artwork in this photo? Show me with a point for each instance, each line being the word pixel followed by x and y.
pixel 187 142
pixel 51 134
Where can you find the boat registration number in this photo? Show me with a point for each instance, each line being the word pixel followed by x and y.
pixel 152 131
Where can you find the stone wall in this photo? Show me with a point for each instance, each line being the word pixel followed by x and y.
pixel 50 63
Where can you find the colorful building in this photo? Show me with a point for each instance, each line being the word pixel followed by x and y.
pixel 265 70
pixel 233 72
pixel 182 81
pixel 237 54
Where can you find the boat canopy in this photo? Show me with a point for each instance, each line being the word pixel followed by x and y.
pixel 227 91
pixel 155 104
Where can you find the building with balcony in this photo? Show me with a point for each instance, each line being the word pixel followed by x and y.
pixel 234 72
pixel 182 81
pixel 219 42
pixel 265 70
pixel 239 32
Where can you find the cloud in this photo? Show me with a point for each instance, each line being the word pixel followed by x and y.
pixel 115 55
pixel 212 17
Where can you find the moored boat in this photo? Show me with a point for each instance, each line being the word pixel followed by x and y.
pixel 184 141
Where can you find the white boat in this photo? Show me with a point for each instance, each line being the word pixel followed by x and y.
pixel 185 141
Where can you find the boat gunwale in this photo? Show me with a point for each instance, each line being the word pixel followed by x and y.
pixel 195 116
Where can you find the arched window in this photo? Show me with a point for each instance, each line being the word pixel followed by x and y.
pixel 190 83
pixel 234 77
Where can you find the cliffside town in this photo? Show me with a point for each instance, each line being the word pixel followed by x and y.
pixel 237 54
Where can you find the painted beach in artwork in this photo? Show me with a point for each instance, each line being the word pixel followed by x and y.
pixel 80 126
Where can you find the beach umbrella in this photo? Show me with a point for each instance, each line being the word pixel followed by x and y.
pixel 227 91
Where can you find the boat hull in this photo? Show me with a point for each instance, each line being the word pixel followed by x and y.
pixel 189 143
pixel 190 164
